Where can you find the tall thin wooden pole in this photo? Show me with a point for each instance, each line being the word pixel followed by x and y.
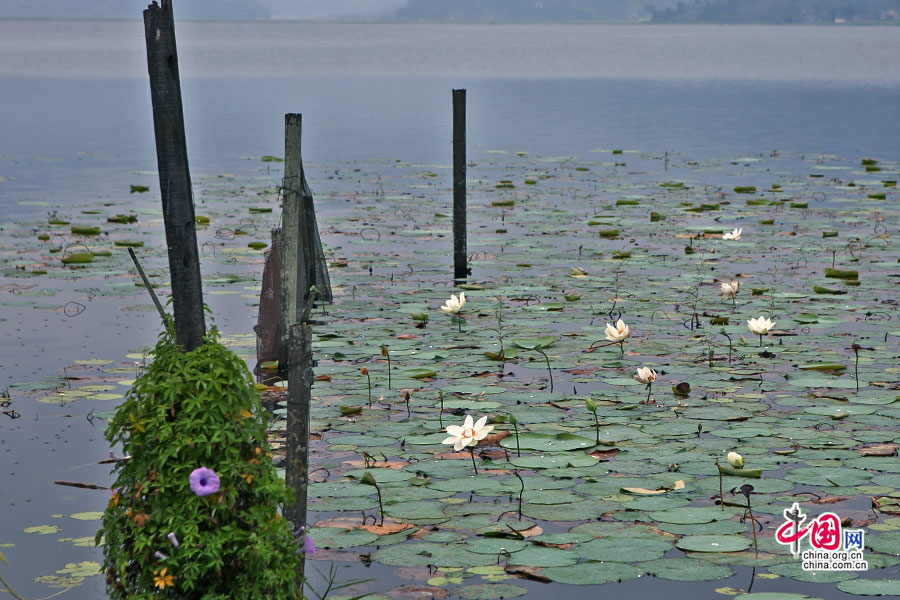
pixel 460 266
pixel 174 175
pixel 300 379
pixel 290 234
pixel 295 360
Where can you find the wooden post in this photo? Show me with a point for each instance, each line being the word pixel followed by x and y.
pixel 174 175
pixel 290 237
pixel 300 378
pixel 302 258
pixel 460 266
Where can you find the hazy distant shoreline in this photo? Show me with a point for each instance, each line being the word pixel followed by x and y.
pixel 477 12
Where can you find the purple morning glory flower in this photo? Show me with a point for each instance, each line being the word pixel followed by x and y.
pixel 173 539
pixel 204 481
pixel 309 546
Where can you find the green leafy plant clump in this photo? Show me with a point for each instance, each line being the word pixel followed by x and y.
pixel 193 410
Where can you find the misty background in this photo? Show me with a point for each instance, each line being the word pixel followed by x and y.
pixel 477 11
pixel 347 10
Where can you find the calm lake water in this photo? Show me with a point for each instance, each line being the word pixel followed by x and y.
pixel 77 91
pixel 77 126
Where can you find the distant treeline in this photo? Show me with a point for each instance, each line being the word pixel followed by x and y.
pixel 529 11
pixel 240 10
pixel 780 11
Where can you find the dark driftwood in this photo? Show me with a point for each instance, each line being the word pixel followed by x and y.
pixel 78 484
pixel 300 379
pixel 174 175
pixel 140 270
pixel 460 266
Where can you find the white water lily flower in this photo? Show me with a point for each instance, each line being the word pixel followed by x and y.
pixel 760 325
pixel 469 434
pixel 730 289
pixel 454 304
pixel 645 375
pixel 733 235
pixel 617 333
pixel 736 460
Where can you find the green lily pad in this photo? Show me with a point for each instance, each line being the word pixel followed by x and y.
pixel 489 591
pixel 871 587
pixel 624 549
pixel 593 573
pixel 544 442
pixel 686 569
pixel 690 515
pixel 494 546
pixel 714 543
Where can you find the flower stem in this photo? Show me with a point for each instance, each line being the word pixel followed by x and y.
pixel 721 495
pixel 649 389
pixel 380 505
pixel 389 369
pixel 441 414
pixel 459 322
pixel 760 340
pixel 521 491
pixel 472 453
pixel 549 370
pixel 752 525
pixel 597 427
pixel 518 450
pixel 369 380
pixel 15 595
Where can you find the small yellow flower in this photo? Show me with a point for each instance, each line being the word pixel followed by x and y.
pixel 617 333
pixel 247 477
pixel 162 580
pixel 114 500
pixel 645 375
pixel 736 460
pixel 137 423
pixel 733 235
pixel 246 413
pixel 760 325
pixel 454 304
pixel 730 289
pixel 469 434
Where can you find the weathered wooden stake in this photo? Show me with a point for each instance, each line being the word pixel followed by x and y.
pixel 140 270
pixel 460 266
pixel 289 238
pixel 300 379
pixel 174 175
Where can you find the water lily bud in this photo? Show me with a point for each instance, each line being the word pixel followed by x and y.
pixel 367 479
pixel 513 419
pixel 736 460
pixel 591 405
pixel 364 371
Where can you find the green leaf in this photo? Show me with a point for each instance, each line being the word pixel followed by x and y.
pixel 714 543
pixel 419 373
pixel 593 573
pixel 85 230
